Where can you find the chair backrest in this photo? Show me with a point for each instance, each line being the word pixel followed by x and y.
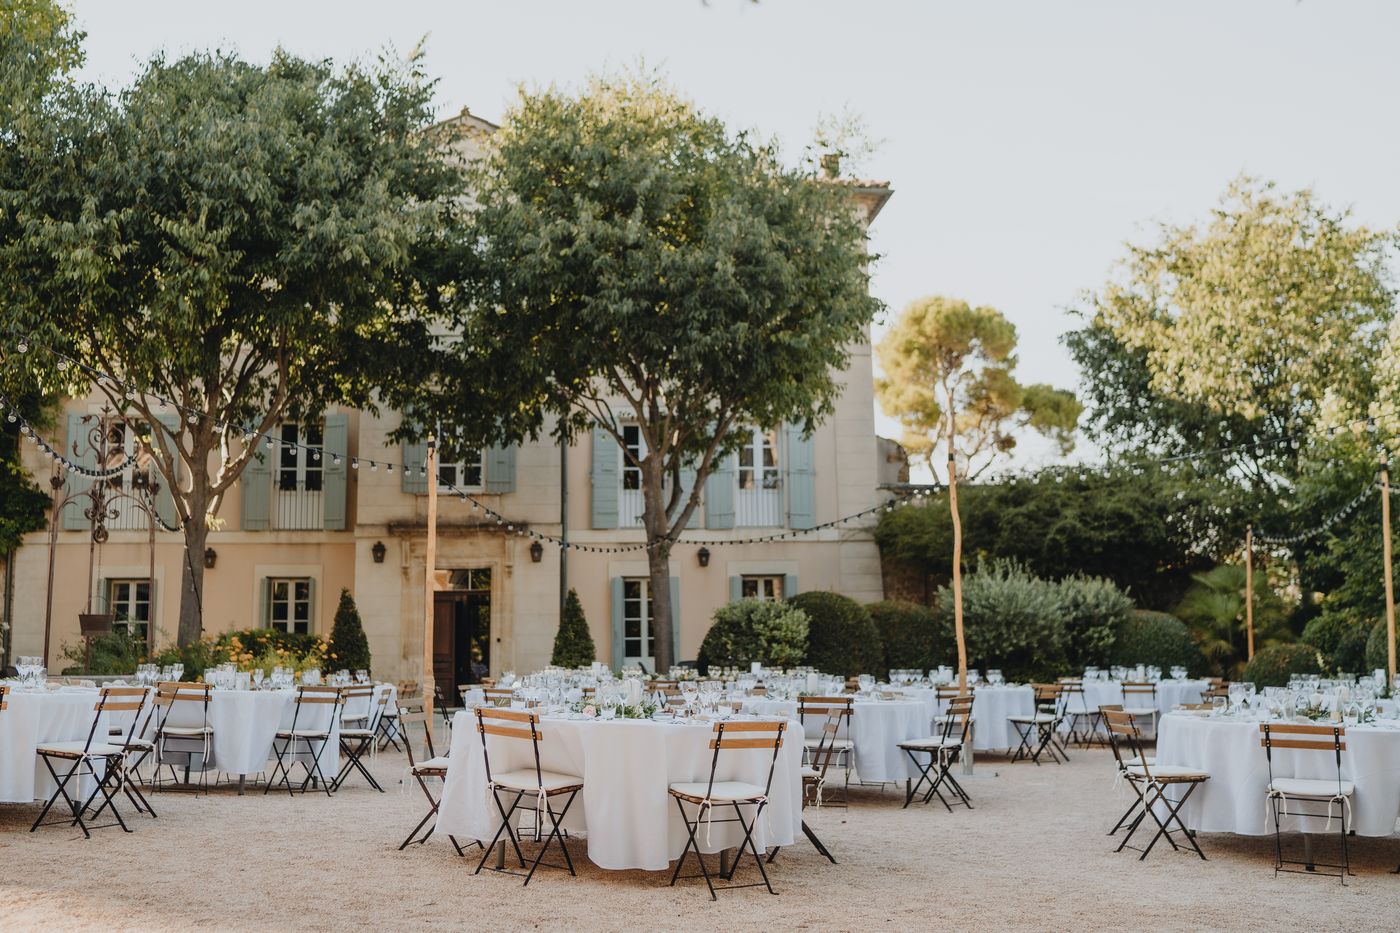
pixel 407 689
pixel 826 745
pixel 1123 730
pixel 315 707
pixel 408 716
pixel 1139 690
pixel 1220 690
pixel 513 724
pixel 118 700
pixel 4 697
pixel 741 736
pixel 498 696
pixel 355 702
pixel 947 692
pixel 822 707
pixel 379 707
pixel 1305 737
pixel 958 719
pixel 185 705
pixel 1049 698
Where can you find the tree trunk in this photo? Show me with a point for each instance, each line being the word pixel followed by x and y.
pixel 192 582
pixel 657 525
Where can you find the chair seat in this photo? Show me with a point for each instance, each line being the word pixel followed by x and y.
pixel 933 742
pixel 188 730
pixel 75 749
pixel 1039 719
pixel 810 774
pixel 1170 774
pixel 526 779
pixel 942 720
pixel 357 733
pixel 834 743
pixel 431 766
pixel 721 792
pixel 303 734
pixel 1140 710
pixel 1312 788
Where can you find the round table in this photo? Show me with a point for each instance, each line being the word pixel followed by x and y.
pixel 1233 800
pixel 630 819
pixel 876 729
pixel 991 709
pixel 33 719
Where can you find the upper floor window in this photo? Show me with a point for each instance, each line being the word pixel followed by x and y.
pixel 467 474
pixel 299 461
pixel 633 451
pixel 759 503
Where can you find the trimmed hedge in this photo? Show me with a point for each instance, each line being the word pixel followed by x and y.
pixel 1012 621
pixel 1159 638
pixel 841 636
pixel 1273 666
pixel 914 636
pixel 772 633
pixel 1341 638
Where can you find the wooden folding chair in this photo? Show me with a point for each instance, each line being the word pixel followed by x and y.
pixel 1286 791
pixel 1151 781
pixel 1140 702
pixel 540 784
pixel 432 767
pixel 314 713
pixel 184 720
pixel 814 781
pixel 1038 731
pixel 86 755
pixel 356 740
pixel 822 709
pixel 1083 721
pixel 943 751
pixel 706 796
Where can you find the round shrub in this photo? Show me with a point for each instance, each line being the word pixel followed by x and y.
pixel 914 636
pixel 1012 621
pixel 1340 638
pixel 772 633
pixel 1093 611
pixel 841 636
pixel 1159 638
pixel 1272 667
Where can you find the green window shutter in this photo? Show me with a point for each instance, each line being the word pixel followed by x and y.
pixel 789 585
pixel 719 494
pixel 266 610
pixel 675 621
pixel 165 499
pixel 256 484
pixel 687 485
pixel 415 457
pixel 801 479
pixel 499 463
pixel 73 518
pixel 617 640
pixel 606 465
pixel 736 588
pixel 335 442
pixel 311 623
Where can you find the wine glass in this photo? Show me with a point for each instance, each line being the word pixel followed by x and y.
pixel 257 678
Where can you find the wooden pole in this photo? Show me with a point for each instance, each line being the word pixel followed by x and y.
pixel 1249 589
pixel 430 580
pixel 957 573
pixel 1389 576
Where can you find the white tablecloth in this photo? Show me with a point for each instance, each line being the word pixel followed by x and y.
pixel 630 820
pixel 876 729
pixel 990 708
pixel 31 720
pixel 1170 694
pixel 1233 800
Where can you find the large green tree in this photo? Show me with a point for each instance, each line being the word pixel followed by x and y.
pixel 949 379
pixel 235 242
pixel 639 263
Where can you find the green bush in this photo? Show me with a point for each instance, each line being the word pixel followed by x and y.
pixel 1273 666
pixel 1093 611
pixel 348 648
pixel 116 652
pixel 1156 638
pixel 772 633
pixel 1377 648
pixel 1012 622
pixel 914 636
pixel 573 643
pixel 841 636
pixel 259 641
pixel 1340 636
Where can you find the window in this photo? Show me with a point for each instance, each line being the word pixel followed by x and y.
pixel 636 621
pixel 299 461
pixel 289 604
pixel 466 474
pixel 764 588
pixel 632 444
pixel 758 461
pixel 129 601
pixel 135 480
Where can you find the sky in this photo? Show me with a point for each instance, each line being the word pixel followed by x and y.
pixel 1026 142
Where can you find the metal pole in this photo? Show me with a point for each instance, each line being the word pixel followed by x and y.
pixel 563 522
pixel 1389 576
pixel 1249 589
pixel 430 580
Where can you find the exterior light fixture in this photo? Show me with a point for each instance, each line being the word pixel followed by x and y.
pixel 704 556
pixel 378 551
pixel 211 556
pixel 536 552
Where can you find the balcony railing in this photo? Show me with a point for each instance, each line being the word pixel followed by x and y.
pixel 298 505
pixel 759 508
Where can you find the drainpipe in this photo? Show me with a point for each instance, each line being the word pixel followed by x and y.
pixel 563 522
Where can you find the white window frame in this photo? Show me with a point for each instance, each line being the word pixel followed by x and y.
pixel 758 494
pixel 291 599
pixel 637 607
pixel 630 503
pixel 123 442
pixel 121 608
pixel 460 470
pixel 766 587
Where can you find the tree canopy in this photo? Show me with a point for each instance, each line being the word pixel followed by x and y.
pixel 948 379
pixel 237 243
pixel 636 262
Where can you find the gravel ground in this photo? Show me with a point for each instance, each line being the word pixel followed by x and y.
pixel 1032 855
